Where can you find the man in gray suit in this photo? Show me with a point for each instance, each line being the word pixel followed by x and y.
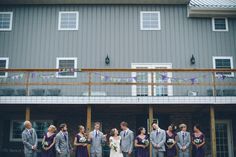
pixel 127 139
pixel 63 146
pixel 183 141
pixel 158 139
pixel 97 139
pixel 30 140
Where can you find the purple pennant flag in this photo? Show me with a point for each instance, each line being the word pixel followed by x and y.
pixel 106 78
pixel 193 80
pixel 163 77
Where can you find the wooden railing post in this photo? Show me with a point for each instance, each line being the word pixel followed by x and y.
pixel 213 131
pixel 27 83
pixel 150 115
pixel 214 84
pixel 27 113
pixel 90 83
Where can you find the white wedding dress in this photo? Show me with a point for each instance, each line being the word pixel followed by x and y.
pixel 117 152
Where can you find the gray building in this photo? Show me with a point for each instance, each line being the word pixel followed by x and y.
pixel 77 37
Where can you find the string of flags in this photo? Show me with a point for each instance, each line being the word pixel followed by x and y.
pixel 109 78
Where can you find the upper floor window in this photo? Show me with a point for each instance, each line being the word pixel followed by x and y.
pixel 150 20
pixel 6 21
pixel 223 63
pixel 67 64
pixel 3 65
pixel 68 20
pixel 220 24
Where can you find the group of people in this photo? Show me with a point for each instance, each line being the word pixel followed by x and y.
pixel 121 144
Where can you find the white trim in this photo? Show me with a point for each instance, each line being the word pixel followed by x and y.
pixel 66 58
pixel 78 100
pixel 11 17
pixel 220 30
pixel 77 20
pixel 11 139
pixel 7 64
pixel 152 66
pixel 141 20
pixel 230 135
pixel 224 57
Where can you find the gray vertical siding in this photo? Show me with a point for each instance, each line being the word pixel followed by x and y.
pixel 35 40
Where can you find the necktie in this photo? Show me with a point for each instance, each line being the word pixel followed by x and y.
pixel 31 132
pixel 124 133
pixel 65 137
pixel 183 137
pixel 157 133
pixel 96 134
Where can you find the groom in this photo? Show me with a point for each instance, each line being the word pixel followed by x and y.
pixel 127 138
pixel 97 139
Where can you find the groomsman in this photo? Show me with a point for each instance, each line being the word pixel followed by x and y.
pixel 30 140
pixel 127 139
pixel 183 141
pixel 158 139
pixel 63 146
pixel 97 139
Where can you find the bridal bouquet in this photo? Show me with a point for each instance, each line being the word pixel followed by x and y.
pixel 145 142
pixel 170 141
pixel 113 146
pixel 44 144
pixel 197 141
pixel 83 140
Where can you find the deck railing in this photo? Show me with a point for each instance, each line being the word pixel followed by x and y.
pixel 117 82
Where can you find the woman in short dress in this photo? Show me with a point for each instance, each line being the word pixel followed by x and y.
pixel 48 143
pixel 171 142
pixel 81 143
pixel 198 141
pixel 141 143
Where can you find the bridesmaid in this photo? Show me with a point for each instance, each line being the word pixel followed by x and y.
pixel 48 143
pixel 81 143
pixel 171 142
pixel 198 141
pixel 141 143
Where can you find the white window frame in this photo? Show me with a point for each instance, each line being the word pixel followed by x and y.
pixel 152 66
pixel 7 63
pixel 11 139
pixel 66 58
pixel 150 29
pixel 220 30
pixel 68 29
pixel 224 57
pixel 11 17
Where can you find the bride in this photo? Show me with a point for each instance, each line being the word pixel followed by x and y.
pixel 115 144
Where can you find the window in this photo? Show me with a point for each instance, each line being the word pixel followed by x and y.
pixel 3 65
pixel 223 63
pixel 147 77
pixel 68 20
pixel 66 63
pixel 150 20
pixel 17 126
pixel 6 21
pixel 220 24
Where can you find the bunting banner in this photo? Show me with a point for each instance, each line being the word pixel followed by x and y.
pixel 108 78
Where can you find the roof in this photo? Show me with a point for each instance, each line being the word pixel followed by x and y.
pixel 213 3
pixel 94 1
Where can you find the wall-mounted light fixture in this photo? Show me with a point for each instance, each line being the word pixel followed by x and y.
pixel 107 60
pixel 192 60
